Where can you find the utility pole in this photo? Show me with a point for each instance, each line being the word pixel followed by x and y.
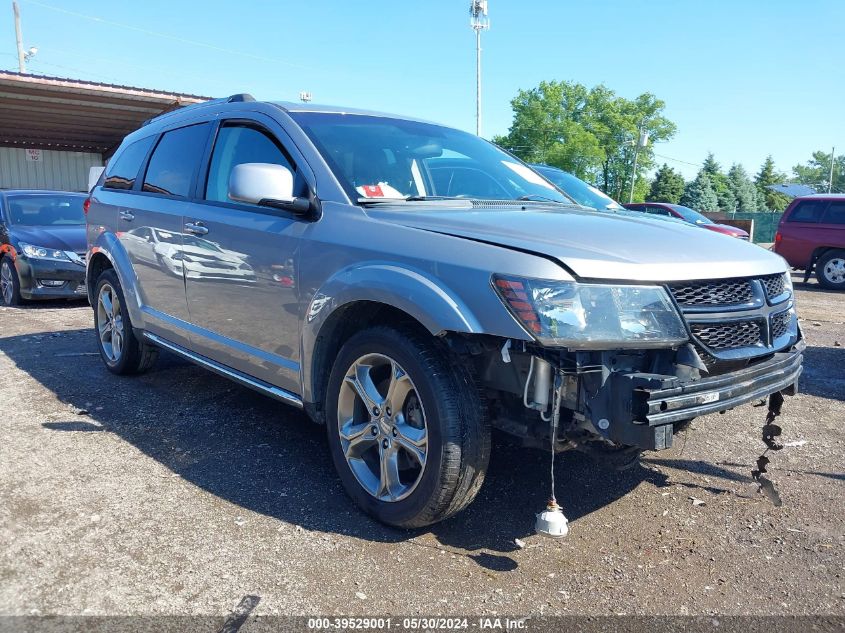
pixel 642 141
pixel 479 22
pixel 19 38
pixel 830 180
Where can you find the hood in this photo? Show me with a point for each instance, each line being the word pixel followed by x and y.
pixel 598 245
pixel 65 238
pixel 726 228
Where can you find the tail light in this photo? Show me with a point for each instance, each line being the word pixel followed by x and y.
pixel 778 238
pixel 86 205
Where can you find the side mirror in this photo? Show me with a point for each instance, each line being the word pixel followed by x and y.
pixel 266 185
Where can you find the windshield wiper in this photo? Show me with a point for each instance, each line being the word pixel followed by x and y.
pixel 366 201
pixel 538 198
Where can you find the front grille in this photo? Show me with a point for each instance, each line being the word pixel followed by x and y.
pixel 728 334
pixel 780 323
pixel 775 285
pixel 719 292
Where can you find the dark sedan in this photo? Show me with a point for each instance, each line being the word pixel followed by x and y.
pixel 42 245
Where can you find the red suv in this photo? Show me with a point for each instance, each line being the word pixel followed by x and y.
pixel 687 215
pixel 811 234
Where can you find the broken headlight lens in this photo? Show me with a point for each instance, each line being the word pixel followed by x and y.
pixel 593 316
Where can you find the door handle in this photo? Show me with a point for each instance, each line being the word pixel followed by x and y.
pixel 196 228
pixel 125 215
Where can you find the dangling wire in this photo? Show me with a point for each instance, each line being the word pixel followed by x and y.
pixel 555 418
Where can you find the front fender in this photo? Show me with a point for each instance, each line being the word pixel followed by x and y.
pixel 409 290
pixel 108 245
pixel 418 294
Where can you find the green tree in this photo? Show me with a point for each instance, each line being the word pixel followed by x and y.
pixel 550 126
pixel 816 172
pixel 743 189
pixel 768 175
pixel 719 181
pixel 667 186
pixel 589 132
pixel 699 194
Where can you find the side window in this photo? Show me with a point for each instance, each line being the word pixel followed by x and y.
pixel 807 211
pixel 238 144
pixel 143 233
pixel 174 160
pixel 835 213
pixel 121 173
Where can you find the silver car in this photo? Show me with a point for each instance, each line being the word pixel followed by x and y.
pixel 411 286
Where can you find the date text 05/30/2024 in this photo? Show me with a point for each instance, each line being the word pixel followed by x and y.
pixel 417 624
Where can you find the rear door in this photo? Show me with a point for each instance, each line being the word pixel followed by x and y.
pixel 833 224
pixel 801 232
pixel 240 259
pixel 151 229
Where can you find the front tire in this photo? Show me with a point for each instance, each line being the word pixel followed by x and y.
pixel 119 348
pixel 407 427
pixel 10 284
pixel 830 270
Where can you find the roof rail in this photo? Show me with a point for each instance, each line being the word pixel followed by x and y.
pixel 238 98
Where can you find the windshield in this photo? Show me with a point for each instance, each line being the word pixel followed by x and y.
pixel 378 157
pixel 584 194
pixel 691 215
pixel 45 210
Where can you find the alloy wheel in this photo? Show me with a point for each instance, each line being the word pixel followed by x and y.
pixel 834 270
pixel 382 427
pixel 110 323
pixel 7 284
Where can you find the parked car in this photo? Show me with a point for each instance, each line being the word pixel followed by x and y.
pixel 811 236
pixel 687 215
pixel 42 245
pixel 417 316
pixel 581 192
pixel 188 255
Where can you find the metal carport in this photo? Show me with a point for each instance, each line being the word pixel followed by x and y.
pixel 53 129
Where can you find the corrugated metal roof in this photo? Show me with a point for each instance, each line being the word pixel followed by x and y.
pixel 69 114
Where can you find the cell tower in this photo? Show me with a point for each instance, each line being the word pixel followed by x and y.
pixel 479 22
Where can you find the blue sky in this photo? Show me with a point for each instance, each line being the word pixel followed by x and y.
pixel 742 79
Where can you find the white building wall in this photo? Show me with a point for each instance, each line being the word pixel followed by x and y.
pixel 50 169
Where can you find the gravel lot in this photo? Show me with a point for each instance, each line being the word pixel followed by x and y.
pixel 181 493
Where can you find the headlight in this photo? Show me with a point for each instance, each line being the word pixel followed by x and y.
pixel 42 252
pixel 593 316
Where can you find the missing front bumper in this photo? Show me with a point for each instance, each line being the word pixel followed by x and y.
pixel 646 406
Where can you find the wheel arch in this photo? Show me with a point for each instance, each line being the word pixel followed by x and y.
pixel 337 328
pixel 106 253
pixel 366 295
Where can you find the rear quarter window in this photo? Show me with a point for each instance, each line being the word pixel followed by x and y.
pixel 122 172
pixel 807 211
pixel 835 213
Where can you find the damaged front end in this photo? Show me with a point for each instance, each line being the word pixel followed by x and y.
pixel 692 349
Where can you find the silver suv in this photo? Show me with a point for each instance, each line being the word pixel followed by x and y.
pixel 411 286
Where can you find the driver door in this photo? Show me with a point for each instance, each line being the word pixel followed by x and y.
pixel 240 260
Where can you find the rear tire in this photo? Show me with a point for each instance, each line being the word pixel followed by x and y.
pixel 10 284
pixel 830 270
pixel 412 448
pixel 119 348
